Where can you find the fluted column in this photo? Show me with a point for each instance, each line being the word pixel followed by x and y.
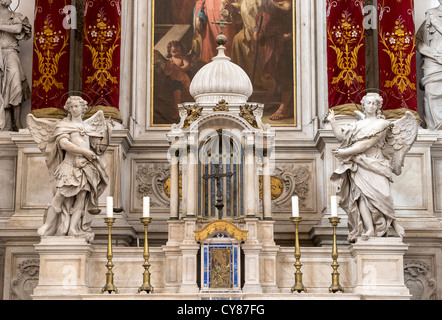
pixel 251 194
pixel 266 188
pixel 192 160
pixel 174 187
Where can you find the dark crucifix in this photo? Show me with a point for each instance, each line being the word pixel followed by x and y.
pixel 218 175
pixel 221 24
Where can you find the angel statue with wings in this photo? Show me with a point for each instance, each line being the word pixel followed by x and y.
pixel 72 148
pixel 371 150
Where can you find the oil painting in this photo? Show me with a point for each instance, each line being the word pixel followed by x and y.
pixel 261 38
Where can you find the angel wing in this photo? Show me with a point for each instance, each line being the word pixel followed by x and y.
pixel 41 130
pixel 96 125
pixel 400 139
pixel 359 115
pixel 159 60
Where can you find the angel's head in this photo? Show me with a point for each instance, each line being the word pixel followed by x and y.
pixel 174 49
pixel 75 100
pixel 372 103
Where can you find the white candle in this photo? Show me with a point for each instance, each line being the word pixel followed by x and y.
pixel 295 207
pixel 146 207
pixel 110 207
pixel 334 206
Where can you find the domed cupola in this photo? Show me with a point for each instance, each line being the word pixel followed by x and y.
pixel 221 79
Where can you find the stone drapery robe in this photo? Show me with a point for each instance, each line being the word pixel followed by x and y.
pixel 429 43
pixel 71 177
pixel 14 87
pixel 365 175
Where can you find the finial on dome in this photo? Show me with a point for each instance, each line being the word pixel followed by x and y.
pixel 221 39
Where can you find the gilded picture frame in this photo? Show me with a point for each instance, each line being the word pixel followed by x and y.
pixel 261 40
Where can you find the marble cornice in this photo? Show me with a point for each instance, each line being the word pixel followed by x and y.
pixel 123 138
pixel 322 137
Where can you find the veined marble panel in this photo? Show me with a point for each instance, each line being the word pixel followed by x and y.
pixel 36 188
pixel 7 184
pixel 437 185
pixel 409 190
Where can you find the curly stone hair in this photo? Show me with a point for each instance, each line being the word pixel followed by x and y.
pixel 379 102
pixel 73 99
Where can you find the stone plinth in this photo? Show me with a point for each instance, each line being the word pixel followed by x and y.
pixel 64 266
pixel 379 264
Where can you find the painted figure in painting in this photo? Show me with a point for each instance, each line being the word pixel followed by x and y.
pixel 176 69
pixel 371 150
pixel 14 88
pixel 209 11
pixel 429 44
pixel 274 30
pixel 174 11
pixel 72 148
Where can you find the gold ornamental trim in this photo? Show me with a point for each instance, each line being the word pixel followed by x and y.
pixel 49 113
pixel 222 225
pixel 399 113
pixel 276 185
pixel 223 105
pixel 55 113
pixel 345 109
pixel 349 109
pixel 167 186
pixel 112 112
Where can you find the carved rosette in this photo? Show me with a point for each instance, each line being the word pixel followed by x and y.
pixel 419 280
pixel 276 185
pixel 24 284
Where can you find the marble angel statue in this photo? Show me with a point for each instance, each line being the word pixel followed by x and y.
pixel 371 151
pixel 72 148
pixel 14 87
pixel 429 44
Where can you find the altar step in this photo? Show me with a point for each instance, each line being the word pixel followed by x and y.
pixel 231 297
pixel 224 297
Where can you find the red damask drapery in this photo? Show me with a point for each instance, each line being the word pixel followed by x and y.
pixel 345 53
pixel 101 55
pixel 50 74
pixel 397 56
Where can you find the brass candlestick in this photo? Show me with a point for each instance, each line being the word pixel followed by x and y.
pixel 299 287
pixel 335 287
pixel 146 275
pixel 109 287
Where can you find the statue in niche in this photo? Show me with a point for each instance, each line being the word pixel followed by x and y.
pixel 14 88
pixel 429 44
pixel 371 150
pixel 73 148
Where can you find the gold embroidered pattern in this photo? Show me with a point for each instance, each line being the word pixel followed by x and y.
pixel 397 45
pixel 49 45
pixel 102 40
pixel 346 40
